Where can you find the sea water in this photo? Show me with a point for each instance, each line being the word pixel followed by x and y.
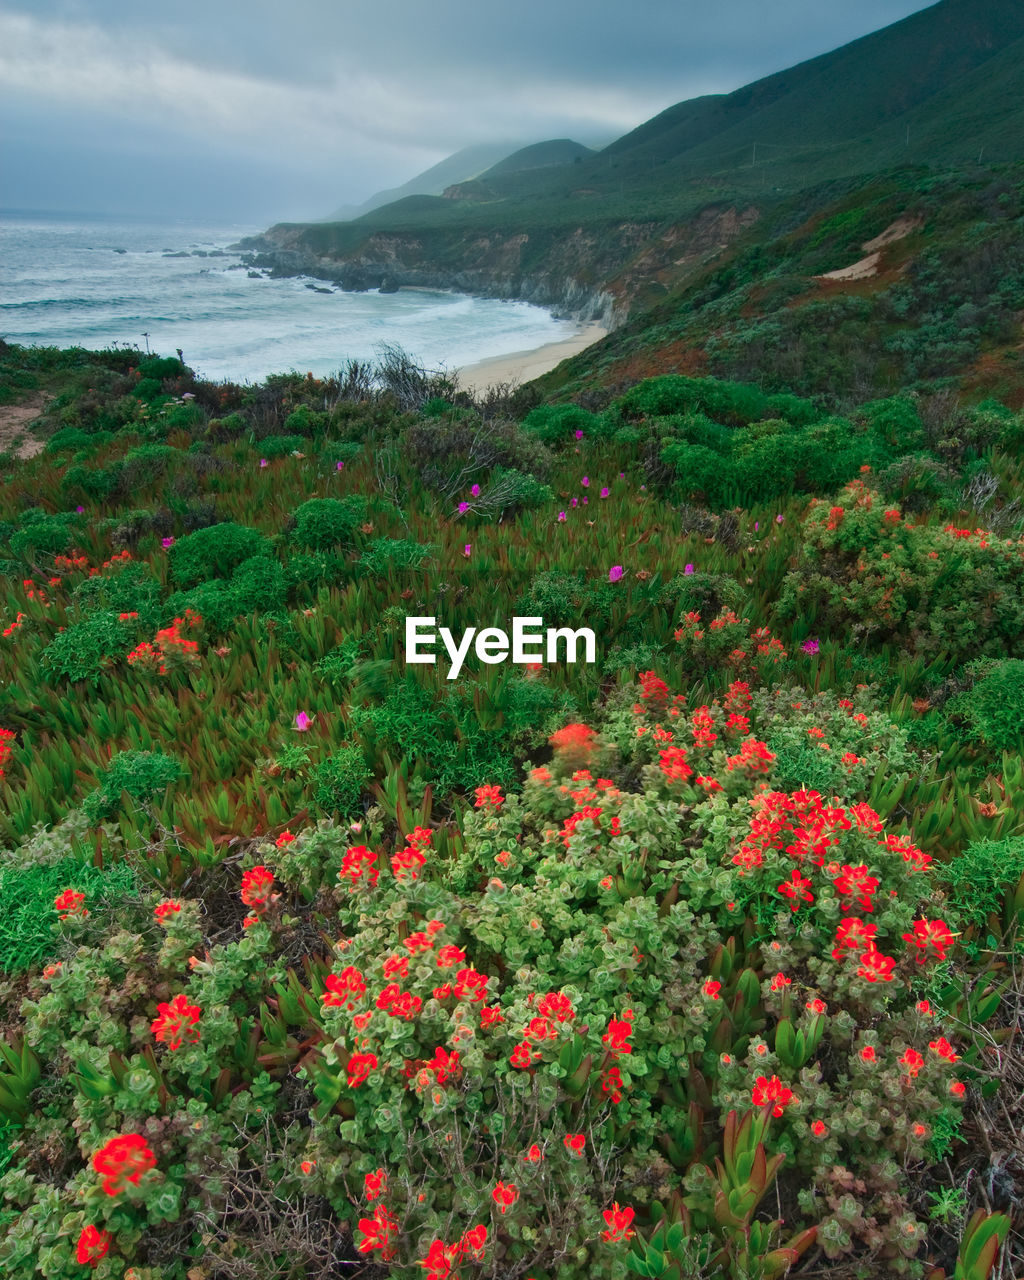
pixel 95 281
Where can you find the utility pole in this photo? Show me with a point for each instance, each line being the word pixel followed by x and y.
pixel 146 336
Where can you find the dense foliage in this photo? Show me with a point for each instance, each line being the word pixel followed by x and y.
pixel 701 961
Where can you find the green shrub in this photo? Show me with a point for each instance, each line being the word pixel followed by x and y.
pixel 322 523
pixel 557 423
pixel 161 367
pixel 994 705
pixel 87 647
pixel 386 554
pixel 305 421
pixel 214 552
pixel 280 446
pixel 981 875
pixel 142 775
pixel 339 782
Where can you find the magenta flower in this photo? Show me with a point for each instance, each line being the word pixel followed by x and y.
pixel 166 542
pixel 810 646
pixel 615 573
pixel 561 515
pixel 584 501
pixel 463 508
pixel 575 502
pixel 688 569
pixel 605 492
pixel 585 481
pixel 302 722
pixel 778 518
pixel 579 435
pixel 622 475
pixel 79 508
pixel 339 466
pixel 475 491
pixel 467 549
pixel 757 525
pixel 263 462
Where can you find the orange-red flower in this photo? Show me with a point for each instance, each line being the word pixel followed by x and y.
pixel 504 1195
pixel 359 1067
pixel 93 1245
pixel 176 1021
pixel 375 1184
pixel 574 1143
pixel 122 1160
pixel 619 1224
pixel 70 905
pixel 771 1093
pixel 377 1232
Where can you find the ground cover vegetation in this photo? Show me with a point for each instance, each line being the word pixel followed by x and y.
pixel 702 961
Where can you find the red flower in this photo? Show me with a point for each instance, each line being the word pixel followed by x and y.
pixel 672 762
pixel 93 1244
pixel 574 740
pixel 771 1093
pixel 557 1006
pixel 70 904
pixel 853 935
pixel 534 1155
pixel 375 1184
pixel 450 955
pixel 618 1221
pixel 816 1006
pixel 931 938
pixel 439 1259
pixel 711 989
pixel 780 982
pixel 797 889
pixel 957 1088
pixel 618 1033
pixel 176 1022
pixel 407 862
pixel 913 1061
pixel 574 1143
pixel 876 967
pixel 474 1240
pixel 819 1128
pixel 944 1049
pixel 377 1232
pixel 283 839
pixel 358 859
pixel 444 1064
pixel 256 886
pixel 611 1084
pixel 359 1067
pixel 121 1160
pixel 489 797
pixel 343 989
pixel 868 1053
pixel 504 1195
pixel 163 911
pixel 470 985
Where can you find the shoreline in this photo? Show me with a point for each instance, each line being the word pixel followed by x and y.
pixel 524 366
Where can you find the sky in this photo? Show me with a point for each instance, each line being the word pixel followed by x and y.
pixel 255 111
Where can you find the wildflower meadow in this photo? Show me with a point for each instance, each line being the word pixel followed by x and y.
pixel 698 960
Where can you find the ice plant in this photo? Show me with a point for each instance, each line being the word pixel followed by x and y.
pixel 123 1159
pixel 303 722
pixel 615 573
pixel 176 1022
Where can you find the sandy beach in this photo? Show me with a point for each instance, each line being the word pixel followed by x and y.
pixel 522 366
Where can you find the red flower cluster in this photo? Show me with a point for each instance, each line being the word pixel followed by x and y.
pixel 176 1022
pixel 489 798
pixel 360 1065
pixel 753 757
pixel 164 911
pixel 170 650
pixel 619 1224
pixel 673 764
pixel 771 1093
pixel 256 886
pixel 70 905
pixel 122 1160
pixel 93 1245
pixel 357 862
pixel 344 989
pixel 6 754
pixel 442 1258
pixel 378 1232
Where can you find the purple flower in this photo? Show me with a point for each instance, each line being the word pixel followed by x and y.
pixel 605 492
pixel 166 542
pixel 757 525
pixel 622 475
pixel 778 518
pixel 475 491
pixel 302 722
pixel 263 462
pixel 467 549
pixel 810 646
pixel 79 508
pixel 584 501
pixel 561 515
pixel 615 573
pixel 688 569
pixel 463 508
pixel 579 435
pixel 585 481
pixel 643 488
pixel 339 466
pixel 575 502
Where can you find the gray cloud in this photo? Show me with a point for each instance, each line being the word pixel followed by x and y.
pixel 267 110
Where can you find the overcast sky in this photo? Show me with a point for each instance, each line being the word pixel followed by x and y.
pixel 258 110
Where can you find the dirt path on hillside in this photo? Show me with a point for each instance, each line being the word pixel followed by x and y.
pixel 16 422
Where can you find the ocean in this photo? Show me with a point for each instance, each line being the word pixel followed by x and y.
pixel 94 281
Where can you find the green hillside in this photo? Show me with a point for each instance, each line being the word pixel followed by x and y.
pixel 541 155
